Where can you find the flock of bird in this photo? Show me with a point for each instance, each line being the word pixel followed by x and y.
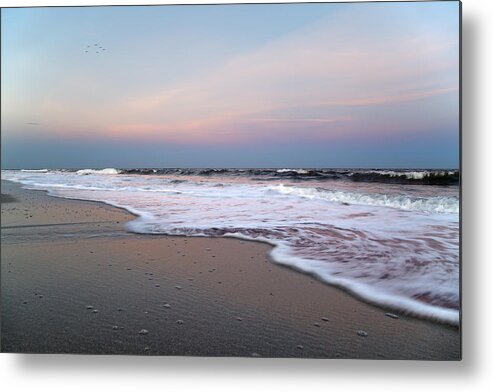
pixel 96 47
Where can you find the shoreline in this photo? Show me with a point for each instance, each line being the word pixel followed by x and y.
pixel 324 321
pixel 446 317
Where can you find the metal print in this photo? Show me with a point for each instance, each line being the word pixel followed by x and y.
pixel 259 180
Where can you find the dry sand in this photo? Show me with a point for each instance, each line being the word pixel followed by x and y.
pixel 74 281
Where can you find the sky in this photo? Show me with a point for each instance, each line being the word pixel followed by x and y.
pixel 285 85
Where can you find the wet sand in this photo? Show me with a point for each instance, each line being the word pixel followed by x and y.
pixel 75 281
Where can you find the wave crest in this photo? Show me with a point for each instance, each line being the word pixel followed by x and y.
pixel 84 172
pixel 34 170
pixel 436 204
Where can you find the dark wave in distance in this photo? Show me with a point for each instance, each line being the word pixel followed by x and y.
pixel 409 176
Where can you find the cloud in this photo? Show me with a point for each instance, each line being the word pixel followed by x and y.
pixel 328 65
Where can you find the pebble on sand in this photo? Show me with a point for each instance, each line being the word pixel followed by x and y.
pixel 167 305
pixel 156 285
pixel 95 311
pixel 392 315
pixel 316 324
pixel 324 319
pixel 239 319
pixel 178 287
pixel 179 321
pixel 299 347
pixel 143 332
pixel 362 333
pixel 25 302
pixel 89 307
pixel 115 327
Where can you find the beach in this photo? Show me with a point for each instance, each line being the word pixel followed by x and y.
pixel 74 280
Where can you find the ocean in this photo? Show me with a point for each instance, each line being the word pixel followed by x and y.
pixel 389 237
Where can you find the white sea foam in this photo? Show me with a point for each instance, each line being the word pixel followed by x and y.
pixel 393 245
pixel 411 175
pixel 34 170
pixel 437 204
pixel 299 171
pixel 97 171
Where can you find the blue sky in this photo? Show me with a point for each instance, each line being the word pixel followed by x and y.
pixel 286 85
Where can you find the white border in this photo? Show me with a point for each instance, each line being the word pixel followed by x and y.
pixel 110 373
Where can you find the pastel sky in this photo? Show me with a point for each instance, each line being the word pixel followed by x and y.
pixel 286 85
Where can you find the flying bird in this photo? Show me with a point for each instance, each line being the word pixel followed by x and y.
pixel 98 48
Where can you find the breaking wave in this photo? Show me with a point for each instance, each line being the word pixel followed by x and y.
pixel 84 172
pixel 436 204
pixel 34 170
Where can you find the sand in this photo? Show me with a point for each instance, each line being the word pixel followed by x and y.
pixel 75 281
